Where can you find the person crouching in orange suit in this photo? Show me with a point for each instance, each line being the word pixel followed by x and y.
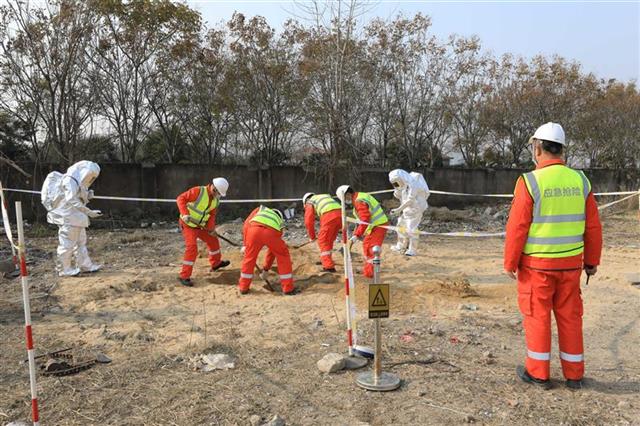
pixel 553 232
pixel 263 227
pixel 329 213
pixel 367 209
pixel 198 208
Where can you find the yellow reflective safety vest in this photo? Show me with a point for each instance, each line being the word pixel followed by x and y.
pixel 200 209
pixel 378 217
pixel 268 217
pixel 559 204
pixel 323 203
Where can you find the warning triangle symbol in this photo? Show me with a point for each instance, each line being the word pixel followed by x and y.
pixel 379 299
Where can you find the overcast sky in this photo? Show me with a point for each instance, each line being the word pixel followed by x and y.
pixel 603 36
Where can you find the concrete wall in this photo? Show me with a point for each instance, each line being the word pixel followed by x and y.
pixel 169 180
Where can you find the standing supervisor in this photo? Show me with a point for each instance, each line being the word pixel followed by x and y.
pixel 553 232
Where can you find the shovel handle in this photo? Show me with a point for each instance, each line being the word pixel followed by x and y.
pixel 228 241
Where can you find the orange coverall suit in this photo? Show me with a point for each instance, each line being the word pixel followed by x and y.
pixel 330 226
pixel 256 235
pixel 374 238
pixel 191 235
pixel 546 284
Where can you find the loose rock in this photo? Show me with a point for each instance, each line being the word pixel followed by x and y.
pixel 276 421
pixel 103 359
pixel 211 362
pixel 255 420
pixel 331 363
pixel 468 307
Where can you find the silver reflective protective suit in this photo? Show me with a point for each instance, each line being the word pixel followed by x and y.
pixel 71 214
pixel 412 191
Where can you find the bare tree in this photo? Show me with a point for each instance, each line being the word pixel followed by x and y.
pixel 130 38
pixel 44 68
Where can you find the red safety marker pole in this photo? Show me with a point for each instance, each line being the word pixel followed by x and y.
pixel 27 314
pixel 347 284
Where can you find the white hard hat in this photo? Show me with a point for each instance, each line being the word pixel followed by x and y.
pixel 221 185
pixel 551 132
pixel 342 189
pixel 307 196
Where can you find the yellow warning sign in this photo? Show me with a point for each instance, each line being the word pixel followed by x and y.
pixel 378 300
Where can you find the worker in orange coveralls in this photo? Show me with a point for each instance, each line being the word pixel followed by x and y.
pixel 198 207
pixel 367 209
pixel 330 215
pixel 553 232
pixel 263 227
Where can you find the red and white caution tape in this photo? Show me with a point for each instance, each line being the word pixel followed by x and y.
pixel 604 206
pixel 403 230
pixel 24 276
pixel 290 200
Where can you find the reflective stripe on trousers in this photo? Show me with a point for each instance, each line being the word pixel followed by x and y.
pixel 571 357
pixel 540 356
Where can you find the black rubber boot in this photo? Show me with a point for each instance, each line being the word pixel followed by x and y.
pixel 186 282
pixel 527 378
pixel 222 264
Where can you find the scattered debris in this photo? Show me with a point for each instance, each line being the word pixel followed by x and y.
pixel 331 363
pixel 468 307
pixel 407 337
pixel 276 421
pixel 103 359
pixel 435 330
pixel 211 362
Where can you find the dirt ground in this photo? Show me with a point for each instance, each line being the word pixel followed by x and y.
pixel 457 365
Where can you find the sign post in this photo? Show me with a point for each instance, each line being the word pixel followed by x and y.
pixel 377 380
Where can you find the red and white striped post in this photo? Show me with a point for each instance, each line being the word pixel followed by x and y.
pixel 27 314
pixel 347 283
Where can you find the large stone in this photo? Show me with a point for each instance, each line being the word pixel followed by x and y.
pixel 217 362
pixel 255 420
pixel 355 362
pixel 331 363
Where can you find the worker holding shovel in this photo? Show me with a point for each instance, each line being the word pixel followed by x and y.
pixel 198 208
pixel 264 227
pixel 328 212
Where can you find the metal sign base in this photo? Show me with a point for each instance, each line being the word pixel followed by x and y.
pixel 386 381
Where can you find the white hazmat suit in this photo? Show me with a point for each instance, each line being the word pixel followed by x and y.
pixel 65 197
pixel 412 191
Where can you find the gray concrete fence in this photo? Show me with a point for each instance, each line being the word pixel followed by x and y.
pixel 169 180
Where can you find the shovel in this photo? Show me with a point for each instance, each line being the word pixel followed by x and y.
pixel 267 285
pixel 228 240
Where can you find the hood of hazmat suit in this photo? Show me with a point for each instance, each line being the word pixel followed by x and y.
pixel 73 195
